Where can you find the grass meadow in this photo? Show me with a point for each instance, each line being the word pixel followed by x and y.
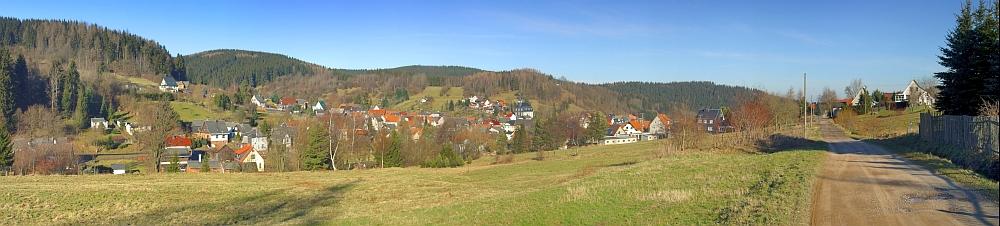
pixel 622 184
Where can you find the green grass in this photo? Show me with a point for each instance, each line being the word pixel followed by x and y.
pixel 884 123
pixel 621 184
pixel 911 148
pixel 188 111
pixel 440 102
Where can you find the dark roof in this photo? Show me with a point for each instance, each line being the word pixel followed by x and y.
pixel 119 167
pixel 169 80
pixel 709 113
pixel 214 126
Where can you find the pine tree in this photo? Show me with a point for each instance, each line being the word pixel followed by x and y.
pixel 315 156
pixel 597 128
pixel 70 83
pixel 393 157
pixel 20 82
pixel 82 115
pixel 7 104
pixel 541 138
pixel 520 142
pixel 963 85
pixel 6 152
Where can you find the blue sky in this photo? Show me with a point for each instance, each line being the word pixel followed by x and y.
pixel 761 44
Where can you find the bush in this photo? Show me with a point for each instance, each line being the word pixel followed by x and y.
pixel 447 158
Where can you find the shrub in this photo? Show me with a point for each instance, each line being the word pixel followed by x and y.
pixel 445 159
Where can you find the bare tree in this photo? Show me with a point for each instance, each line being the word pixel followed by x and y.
pixel 930 84
pixel 827 98
pixel 162 122
pixel 38 121
pixel 854 87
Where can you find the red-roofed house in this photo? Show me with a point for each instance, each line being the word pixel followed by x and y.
pixel 287 103
pixel 178 141
pixel 660 125
pixel 247 154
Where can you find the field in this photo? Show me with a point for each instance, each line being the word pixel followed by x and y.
pixel 188 111
pixel 884 123
pixel 621 184
pixel 439 102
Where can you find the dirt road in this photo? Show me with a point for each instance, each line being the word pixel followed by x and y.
pixel 862 184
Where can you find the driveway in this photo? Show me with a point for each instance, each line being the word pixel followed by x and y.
pixel 863 184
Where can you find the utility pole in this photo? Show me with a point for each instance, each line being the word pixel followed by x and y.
pixel 805 109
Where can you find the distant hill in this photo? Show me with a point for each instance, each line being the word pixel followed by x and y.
pixel 227 67
pixel 446 71
pixel 92 47
pixel 694 95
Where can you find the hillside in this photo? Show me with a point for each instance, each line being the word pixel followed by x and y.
pixel 92 47
pixel 694 95
pixel 225 67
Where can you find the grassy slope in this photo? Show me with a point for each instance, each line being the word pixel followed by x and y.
pixel 188 111
pixel 439 103
pixel 885 123
pixel 609 184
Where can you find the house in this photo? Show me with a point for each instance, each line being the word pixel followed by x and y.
pixel 119 169
pixel 247 155
pixel 182 154
pixel 286 103
pixel 98 123
pixel 524 110
pixel 217 132
pixel 168 84
pixel 660 125
pixel 713 121
pixel 619 140
pixel 319 107
pixel 283 135
pixel 256 100
pixel 915 94
pixel 178 141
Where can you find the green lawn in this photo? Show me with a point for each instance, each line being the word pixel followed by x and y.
pixel 615 185
pixel 439 102
pixel 188 111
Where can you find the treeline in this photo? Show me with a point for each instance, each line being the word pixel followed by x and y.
pixel 972 57
pixel 227 67
pixel 93 47
pixel 694 95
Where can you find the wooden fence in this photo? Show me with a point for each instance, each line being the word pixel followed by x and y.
pixel 969 140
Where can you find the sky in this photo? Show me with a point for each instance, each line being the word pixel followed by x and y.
pixel 759 44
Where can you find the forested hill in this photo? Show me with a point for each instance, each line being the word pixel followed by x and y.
pixel 227 67
pixel 444 71
pixel 694 95
pixel 92 47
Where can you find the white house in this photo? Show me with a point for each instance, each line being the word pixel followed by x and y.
pixel 915 93
pixel 857 96
pixel 256 100
pixel 319 107
pixel 259 143
pixel 98 123
pixel 168 84
pixel 660 125
pixel 247 154
pixel 524 110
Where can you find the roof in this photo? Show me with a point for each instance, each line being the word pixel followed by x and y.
pixel 178 141
pixel 391 118
pixel 638 125
pixel 287 101
pixel 119 167
pixel 168 81
pixel 377 112
pixel 709 113
pixel 245 149
pixel 663 118
pixel 213 126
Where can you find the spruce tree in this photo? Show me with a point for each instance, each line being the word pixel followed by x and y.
pixel 6 152
pixel 315 156
pixel 963 86
pixel 82 115
pixel 20 76
pixel 7 105
pixel 70 84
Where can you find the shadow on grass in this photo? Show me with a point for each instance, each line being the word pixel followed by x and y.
pixel 911 144
pixel 781 142
pixel 269 207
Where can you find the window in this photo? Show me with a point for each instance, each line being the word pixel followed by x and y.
pixel 710 129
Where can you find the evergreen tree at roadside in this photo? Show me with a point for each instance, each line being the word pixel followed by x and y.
pixel 315 156
pixel 968 59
